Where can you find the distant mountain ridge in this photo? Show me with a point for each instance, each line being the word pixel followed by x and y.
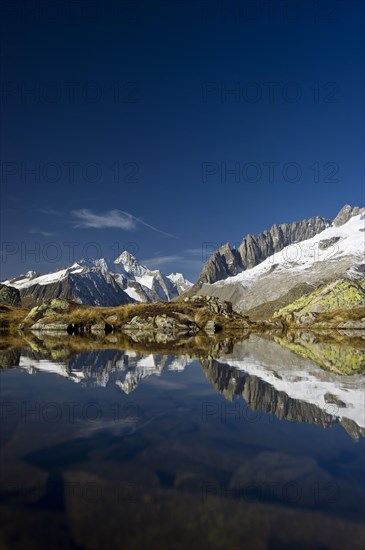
pixel 100 282
pixel 229 261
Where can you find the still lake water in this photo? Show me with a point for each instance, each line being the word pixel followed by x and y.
pixel 250 447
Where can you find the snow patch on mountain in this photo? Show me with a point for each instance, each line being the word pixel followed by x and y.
pixel 180 281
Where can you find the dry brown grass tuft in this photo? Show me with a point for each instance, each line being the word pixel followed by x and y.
pixel 10 317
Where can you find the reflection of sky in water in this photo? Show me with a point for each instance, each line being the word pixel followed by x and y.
pixel 175 437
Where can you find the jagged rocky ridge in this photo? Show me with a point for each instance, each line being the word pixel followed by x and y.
pixel 228 261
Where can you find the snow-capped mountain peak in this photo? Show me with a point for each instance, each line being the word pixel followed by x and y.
pixel 131 264
pixel 180 281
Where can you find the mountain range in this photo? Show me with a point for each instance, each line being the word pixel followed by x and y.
pixel 100 282
pixel 265 273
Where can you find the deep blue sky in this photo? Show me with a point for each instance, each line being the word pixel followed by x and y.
pixel 142 85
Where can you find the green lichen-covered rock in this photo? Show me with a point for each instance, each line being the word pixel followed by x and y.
pixel 59 305
pixel 336 358
pixel 47 309
pixel 33 312
pixel 341 294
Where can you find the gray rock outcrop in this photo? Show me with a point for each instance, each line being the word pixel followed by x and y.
pixel 9 296
pixel 346 213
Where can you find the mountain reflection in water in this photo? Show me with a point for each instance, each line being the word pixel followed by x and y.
pixel 269 374
pixel 221 441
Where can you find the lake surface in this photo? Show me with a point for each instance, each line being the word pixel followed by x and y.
pixel 247 446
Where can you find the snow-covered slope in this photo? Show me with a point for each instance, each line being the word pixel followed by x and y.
pixel 335 252
pixel 98 282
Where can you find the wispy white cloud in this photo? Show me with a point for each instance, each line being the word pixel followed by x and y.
pixel 189 258
pixel 34 231
pixel 162 260
pixel 113 218
pixel 195 251
pixel 180 262
pixel 85 218
pixel 50 211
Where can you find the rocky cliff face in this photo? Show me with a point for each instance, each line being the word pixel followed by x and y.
pixel 9 296
pixel 225 262
pixel 255 250
pixel 90 289
pixel 228 262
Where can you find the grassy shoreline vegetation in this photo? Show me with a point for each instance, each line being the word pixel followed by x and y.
pixel 339 304
pixel 11 317
pixel 311 327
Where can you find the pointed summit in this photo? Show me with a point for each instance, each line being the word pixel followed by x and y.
pixel 131 264
pixel 125 257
